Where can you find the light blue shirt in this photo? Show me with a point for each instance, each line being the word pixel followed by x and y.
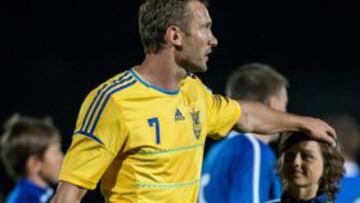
pixel 239 168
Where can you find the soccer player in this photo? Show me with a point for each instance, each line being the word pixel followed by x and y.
pixel 142 132
pixel 31 151
pixel 246 160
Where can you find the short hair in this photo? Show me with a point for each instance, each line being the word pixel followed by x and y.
pixel 23 137
pixel 254 81
pixel 155 16
pixel 333 163
pixel 348 129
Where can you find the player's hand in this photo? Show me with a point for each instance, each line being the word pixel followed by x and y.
pixel 319 130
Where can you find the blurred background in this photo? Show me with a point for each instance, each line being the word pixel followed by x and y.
pixel 55 52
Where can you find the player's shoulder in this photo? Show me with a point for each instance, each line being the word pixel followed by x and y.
pixel 249 140
pixel 192 85
pixel 115 87
pixel 263 148
pixel 20 193
pixel 237 142
pixel 192 76
pixel 192 79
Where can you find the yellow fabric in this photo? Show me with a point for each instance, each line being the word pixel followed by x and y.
pixel 115 139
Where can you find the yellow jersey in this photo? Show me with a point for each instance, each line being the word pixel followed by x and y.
pixel 143 142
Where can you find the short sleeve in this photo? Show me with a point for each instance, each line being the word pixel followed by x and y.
pixel 222 114
pixel 99 135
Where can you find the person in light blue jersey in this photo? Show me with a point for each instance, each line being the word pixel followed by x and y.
pixel 31 152
pixel 349 130
pixel 241 168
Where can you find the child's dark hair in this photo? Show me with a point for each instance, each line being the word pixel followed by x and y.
pixel 23 137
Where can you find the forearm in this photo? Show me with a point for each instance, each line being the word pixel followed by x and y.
pixel 258 118
pixel 68 193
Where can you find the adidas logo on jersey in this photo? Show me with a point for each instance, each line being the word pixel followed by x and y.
pixel 179 116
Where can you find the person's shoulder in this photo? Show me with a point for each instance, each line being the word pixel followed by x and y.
pixel 251 140
pixel 235 139
pixel 191 78
pixel 232 143
pixel 116 86
pixel 193 87
pixel 256 143
pixel 18 194
pixel 236 142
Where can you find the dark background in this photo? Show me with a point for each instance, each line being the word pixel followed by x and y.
pixel 54 52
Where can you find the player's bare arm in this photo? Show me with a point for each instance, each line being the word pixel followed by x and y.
pixel 261 119
pixel 67 192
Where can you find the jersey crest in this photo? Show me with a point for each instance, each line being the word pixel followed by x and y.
pixel 195 115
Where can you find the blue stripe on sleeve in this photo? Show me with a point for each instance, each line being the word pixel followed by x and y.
pixel 90 109
pixel 101 97
pixel 86 118
pixel 90 136
pixel 105 102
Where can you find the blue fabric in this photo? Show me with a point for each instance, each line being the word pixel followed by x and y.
pixel 26 191
pixel 228 172
pixel 349 190
pixel 322 198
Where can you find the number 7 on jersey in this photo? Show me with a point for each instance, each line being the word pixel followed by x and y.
pixel 152 122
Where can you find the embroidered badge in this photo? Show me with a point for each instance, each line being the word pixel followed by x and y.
pixel 195 115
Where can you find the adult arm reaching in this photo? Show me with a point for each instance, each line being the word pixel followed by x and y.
pixel 261 119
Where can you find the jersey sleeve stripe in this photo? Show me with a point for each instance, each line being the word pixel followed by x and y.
pixel 89 135
pixel 98 94
pixel 100 97
pixel 106 100
pixel 86 118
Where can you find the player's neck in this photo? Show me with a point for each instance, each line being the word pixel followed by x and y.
pixel 303 193
pixel 161 70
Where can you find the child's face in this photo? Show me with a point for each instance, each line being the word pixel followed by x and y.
pixel 303 164
pixel 51 162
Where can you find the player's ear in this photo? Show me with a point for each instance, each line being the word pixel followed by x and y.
pixel 33 164
pixel 272 102
pixel 173 36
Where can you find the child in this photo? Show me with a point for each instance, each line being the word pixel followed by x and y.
pixel 310 170
pixel 31 152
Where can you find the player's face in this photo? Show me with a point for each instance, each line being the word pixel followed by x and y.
pixel 51 163
pixel 303 165
pixel 199 40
